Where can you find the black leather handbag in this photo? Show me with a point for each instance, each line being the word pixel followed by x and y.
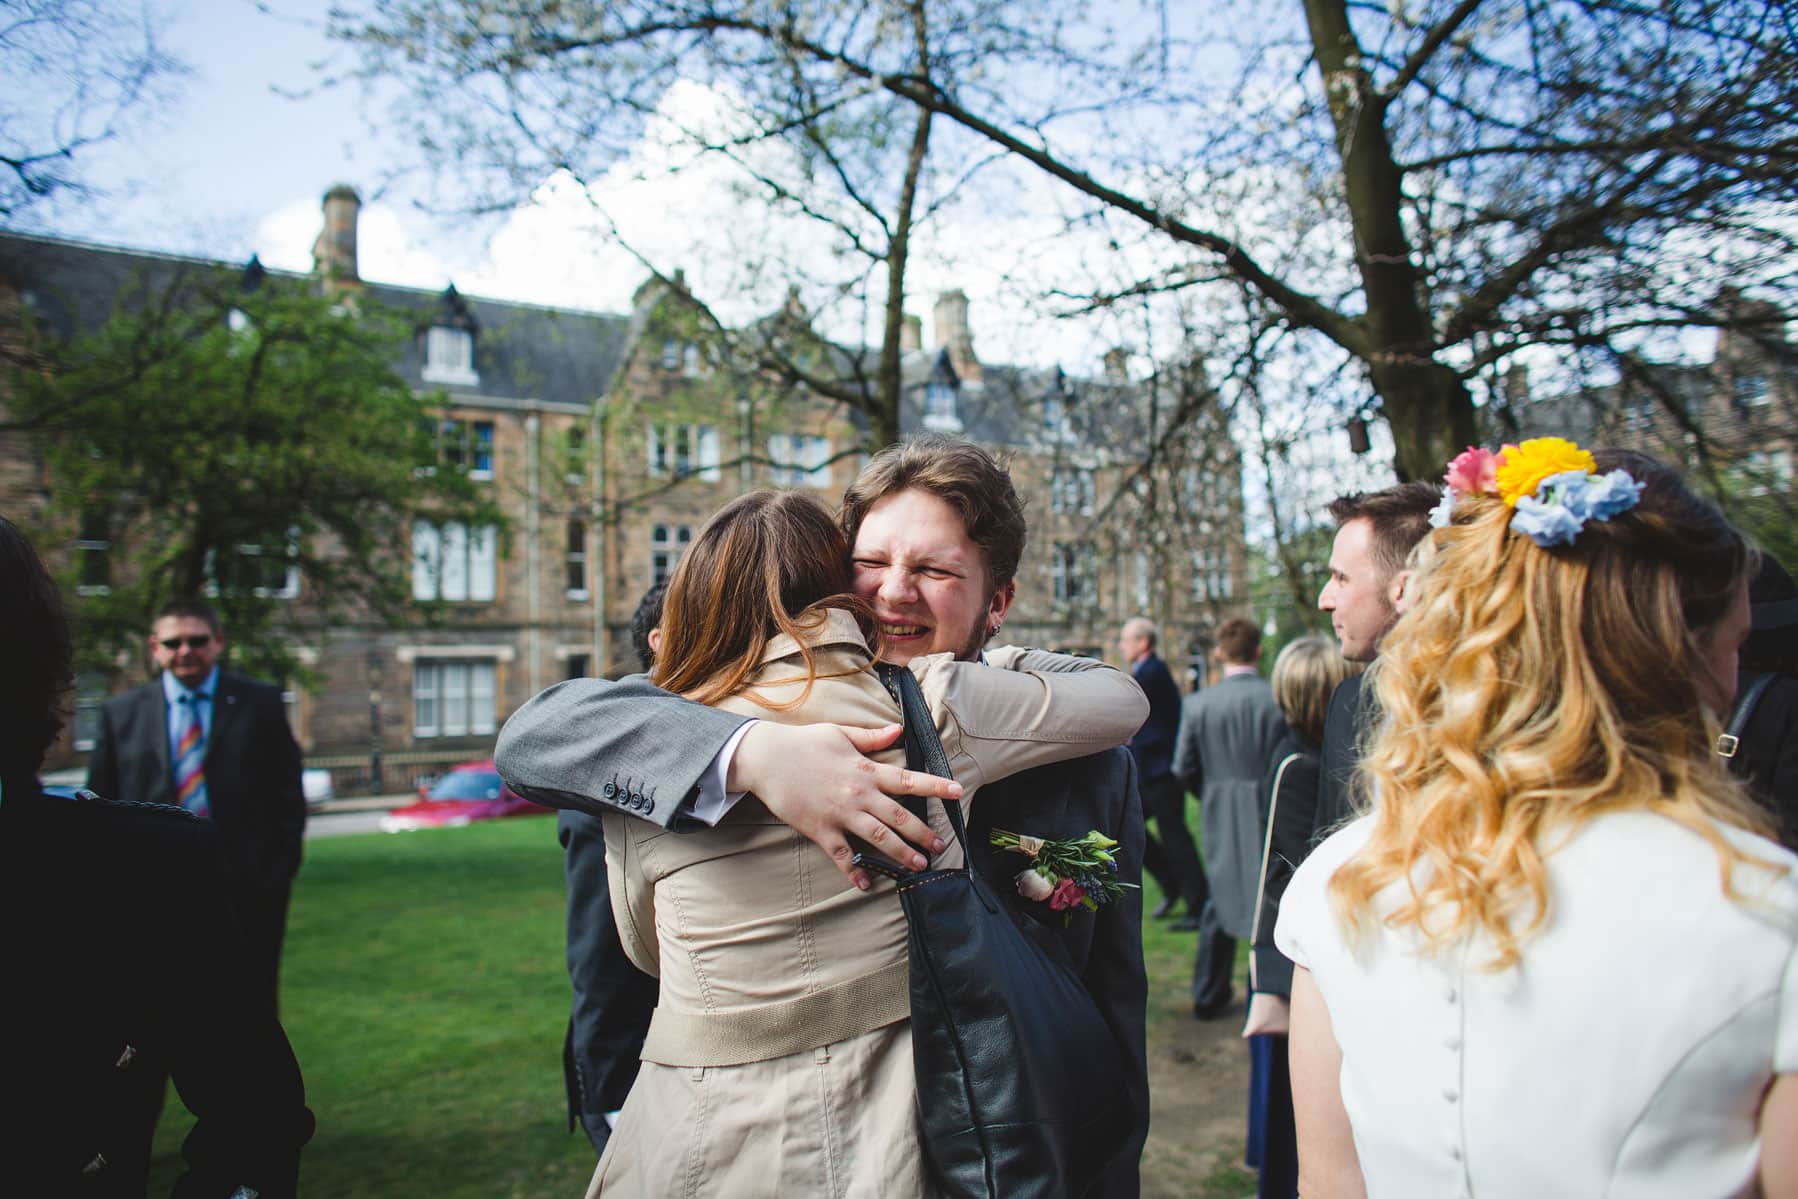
pixel 1022 1088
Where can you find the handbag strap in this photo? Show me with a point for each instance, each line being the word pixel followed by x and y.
pixel 1731 738
pixel 923 747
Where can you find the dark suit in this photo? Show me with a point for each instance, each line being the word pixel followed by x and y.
pixel 1767 756
pixel 642 751
pixel 122 965
pixel 252 785
pixel 1352 713
pixel 612 998
pixel 1170 855
pixel 1068 799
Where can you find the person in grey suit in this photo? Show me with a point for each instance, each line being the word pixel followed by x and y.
pixel 937 532
pixel 1228 733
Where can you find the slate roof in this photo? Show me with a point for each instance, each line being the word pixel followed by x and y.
pixel 523 352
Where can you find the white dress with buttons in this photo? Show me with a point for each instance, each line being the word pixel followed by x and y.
pixel 1625 1055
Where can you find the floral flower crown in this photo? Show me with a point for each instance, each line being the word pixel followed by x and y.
pixel 1551 484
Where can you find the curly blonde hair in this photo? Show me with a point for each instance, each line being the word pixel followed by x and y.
pixel 1527 691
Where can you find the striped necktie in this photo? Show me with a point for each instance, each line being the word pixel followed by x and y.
pixel 190 756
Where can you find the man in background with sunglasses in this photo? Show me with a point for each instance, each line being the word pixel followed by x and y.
pixel 216 743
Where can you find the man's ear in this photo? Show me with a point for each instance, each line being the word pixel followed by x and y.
pixel 1000 604
pixel 1397 589
pixel 655 640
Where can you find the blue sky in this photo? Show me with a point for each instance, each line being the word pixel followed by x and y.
pixel 231 150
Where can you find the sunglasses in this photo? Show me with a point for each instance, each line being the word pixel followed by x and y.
pixel 197 641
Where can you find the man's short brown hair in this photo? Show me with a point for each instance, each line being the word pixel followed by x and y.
pixel 962 475
pixel 1400 516
pixel 188 608
pixel 1239 641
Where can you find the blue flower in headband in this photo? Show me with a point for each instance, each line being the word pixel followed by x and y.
pixel 1564 502
pixel 1546 522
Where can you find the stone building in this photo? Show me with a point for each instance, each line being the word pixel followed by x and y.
pixel 608 439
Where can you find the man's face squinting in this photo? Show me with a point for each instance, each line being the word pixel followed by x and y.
pixel 186 647
pixel 1359 597
pixel 913 560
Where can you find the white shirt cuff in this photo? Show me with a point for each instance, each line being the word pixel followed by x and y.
pixel 713 800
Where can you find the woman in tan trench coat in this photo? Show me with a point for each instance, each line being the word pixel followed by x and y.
pixel 779 1058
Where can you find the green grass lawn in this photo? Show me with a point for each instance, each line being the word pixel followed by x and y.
pixel 425 994
pixel 424 991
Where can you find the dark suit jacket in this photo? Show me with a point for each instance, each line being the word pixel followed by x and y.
pixel 1290 815
pixel 1767 758
pixel 1068 799
pixel 1352 713
pixel 252 774
pixel 105 988
pixel 612 998
pixel 1153 744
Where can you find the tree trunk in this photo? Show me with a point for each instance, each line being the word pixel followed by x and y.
pixel 1426 403
pixel 1429 411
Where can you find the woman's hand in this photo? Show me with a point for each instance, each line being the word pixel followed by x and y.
pixel 816 779
pixel 1268 1014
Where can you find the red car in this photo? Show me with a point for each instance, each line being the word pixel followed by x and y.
pixel 469 792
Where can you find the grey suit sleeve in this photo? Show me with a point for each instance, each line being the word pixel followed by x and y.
pixel 1188 767
pixel 597 745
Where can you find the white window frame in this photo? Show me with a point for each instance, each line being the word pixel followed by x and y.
pixel 450 564
pixel 668 441
pixel 941 410
pixel 1073 490
pixel 575 557
pixel 798 460
pixel 1211 579
pixel 1073 576
pixel 1751 389
pixel 449 356
pixel 92 548
pixel 461 694
pixel 667 542
pixel 467 445
pixel 90 693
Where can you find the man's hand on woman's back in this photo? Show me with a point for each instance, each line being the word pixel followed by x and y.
pixel 817 779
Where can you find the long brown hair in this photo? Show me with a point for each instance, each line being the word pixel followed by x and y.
pixel 767 563
pixel 1529 690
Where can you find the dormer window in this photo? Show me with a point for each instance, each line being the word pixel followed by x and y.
pixel 449 356
pixel 939 407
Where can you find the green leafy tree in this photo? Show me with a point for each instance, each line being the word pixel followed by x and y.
pixel 250 446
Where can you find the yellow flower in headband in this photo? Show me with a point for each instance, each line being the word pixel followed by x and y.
pixel 1522 467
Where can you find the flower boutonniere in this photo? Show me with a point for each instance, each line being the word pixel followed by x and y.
pixel 1068 873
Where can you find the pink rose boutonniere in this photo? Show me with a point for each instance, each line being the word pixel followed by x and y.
pixel 1075 873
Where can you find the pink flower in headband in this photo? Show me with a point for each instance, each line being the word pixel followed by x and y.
pixel 1474 471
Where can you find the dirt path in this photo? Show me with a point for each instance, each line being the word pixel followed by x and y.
pixel 1198 1092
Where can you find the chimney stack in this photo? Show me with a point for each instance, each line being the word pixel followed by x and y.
pixel 911 334
pixel 1117 364
pixel 334 253
pixel 953 334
